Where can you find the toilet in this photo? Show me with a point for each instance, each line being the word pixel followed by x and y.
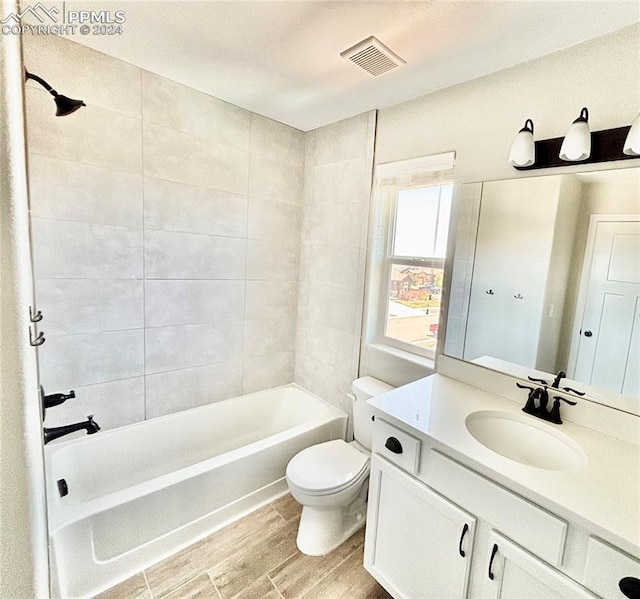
pixel 330 479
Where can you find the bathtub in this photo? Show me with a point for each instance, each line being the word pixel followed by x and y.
pixel 121 500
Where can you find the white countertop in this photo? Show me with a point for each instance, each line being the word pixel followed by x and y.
pixel 603 495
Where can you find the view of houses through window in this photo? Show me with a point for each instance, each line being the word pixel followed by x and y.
pixel 415 261
pixel 414 305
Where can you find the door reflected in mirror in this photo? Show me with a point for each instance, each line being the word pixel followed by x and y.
pixel 553 281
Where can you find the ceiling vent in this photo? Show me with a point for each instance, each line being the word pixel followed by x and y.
pixel 373 56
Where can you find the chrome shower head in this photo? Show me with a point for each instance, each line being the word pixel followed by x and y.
pixel 64 105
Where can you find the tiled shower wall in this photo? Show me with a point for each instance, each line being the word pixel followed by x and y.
pixel 337 184
pixel 166 233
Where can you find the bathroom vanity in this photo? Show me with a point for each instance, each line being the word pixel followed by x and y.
pixel 470 497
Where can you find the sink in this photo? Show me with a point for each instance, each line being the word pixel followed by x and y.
pixel 525 439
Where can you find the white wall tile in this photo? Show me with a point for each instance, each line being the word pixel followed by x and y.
pixel 170 255
pixel 268 372
pixel 336 225
pixel 65 250
pixel 185 109
pixel 271 299
pixel 174 302
pixel 331 346
pixel 89 305
pixel 92 135
pixel 270 336
pixel 273 179
pixel 342 140
pixel 185 346
pixel 342 182
pixel 169 392
pixel 276 140
pixel 112 404
pixel 333 307
pixel 176 156
pixel 326 381
pixel 267 260
pixel 80 72
pixel 174 206
pixel 70 361
pixel 73 191
pixel 335 267
pixel 274 221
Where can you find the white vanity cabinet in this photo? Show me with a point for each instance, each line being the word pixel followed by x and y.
pixel 438 529
pixel 513 573
pixel 418 544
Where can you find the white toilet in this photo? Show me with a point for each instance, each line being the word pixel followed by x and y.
pixel 330 479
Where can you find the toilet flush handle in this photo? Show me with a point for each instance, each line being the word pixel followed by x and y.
pixel 393 445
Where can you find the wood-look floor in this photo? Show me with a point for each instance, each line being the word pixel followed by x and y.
pixel 256 558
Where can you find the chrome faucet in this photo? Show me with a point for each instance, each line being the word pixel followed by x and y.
pixel 60 431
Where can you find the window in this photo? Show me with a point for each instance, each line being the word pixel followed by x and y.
pixel 412 212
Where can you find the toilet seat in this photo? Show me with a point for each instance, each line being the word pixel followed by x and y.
pixel 327 468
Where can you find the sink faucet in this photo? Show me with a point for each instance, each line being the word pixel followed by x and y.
pixel 554 415
pixel 556 382
pixel 59 431
pixel 541 394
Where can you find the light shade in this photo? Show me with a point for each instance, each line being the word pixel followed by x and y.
pixel 576 145
pixel 523 150
pixel 632 143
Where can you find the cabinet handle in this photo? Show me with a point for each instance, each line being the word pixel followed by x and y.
pixel 493 554
pixel 393 445
pixel 630 587
pixel 465 528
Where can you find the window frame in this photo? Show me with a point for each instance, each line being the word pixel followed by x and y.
pixel 390 208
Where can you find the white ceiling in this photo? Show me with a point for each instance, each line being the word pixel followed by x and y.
pixel 282 58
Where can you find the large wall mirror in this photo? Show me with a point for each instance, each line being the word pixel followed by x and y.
pixel 546 278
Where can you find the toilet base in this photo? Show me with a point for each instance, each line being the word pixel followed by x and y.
pixel 322 530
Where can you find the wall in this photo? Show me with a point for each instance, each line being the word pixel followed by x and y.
pixel 337 183
pixel 479 119
pixel 23 527
pixel 166 230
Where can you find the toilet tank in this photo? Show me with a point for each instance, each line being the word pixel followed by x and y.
pixel 363 389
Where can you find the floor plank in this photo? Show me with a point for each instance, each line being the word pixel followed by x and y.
pixel 302 572
pixel 132 588
pixel 350 580
pixel 200 557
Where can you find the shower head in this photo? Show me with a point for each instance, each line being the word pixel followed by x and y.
pixel 64 105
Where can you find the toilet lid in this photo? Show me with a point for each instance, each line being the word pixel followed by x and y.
pixel 326 466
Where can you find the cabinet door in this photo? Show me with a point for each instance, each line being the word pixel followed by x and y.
pixel 513 573
pixel 418 545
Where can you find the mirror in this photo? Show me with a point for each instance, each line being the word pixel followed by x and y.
pixel 546 277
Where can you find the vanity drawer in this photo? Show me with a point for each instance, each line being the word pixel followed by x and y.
pixel 397 446
pixel 606 566
pixel 530 526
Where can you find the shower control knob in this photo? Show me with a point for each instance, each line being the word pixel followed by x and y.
pixel 393 445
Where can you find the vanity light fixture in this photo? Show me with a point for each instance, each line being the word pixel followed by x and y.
pixel 523 150
pixel 632 143
pixel 576 145
pixel 580 145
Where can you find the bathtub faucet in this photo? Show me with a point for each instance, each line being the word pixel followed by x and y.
pixel 59 431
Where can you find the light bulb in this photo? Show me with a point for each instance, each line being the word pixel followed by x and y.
pixel 523 150
pixel 576 145
pixel 632 143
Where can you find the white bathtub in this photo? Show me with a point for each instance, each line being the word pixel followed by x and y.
pixel 139 493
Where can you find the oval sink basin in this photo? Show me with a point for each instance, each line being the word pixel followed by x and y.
pixel 525 440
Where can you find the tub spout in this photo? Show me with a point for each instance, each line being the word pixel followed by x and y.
pixel 59 431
